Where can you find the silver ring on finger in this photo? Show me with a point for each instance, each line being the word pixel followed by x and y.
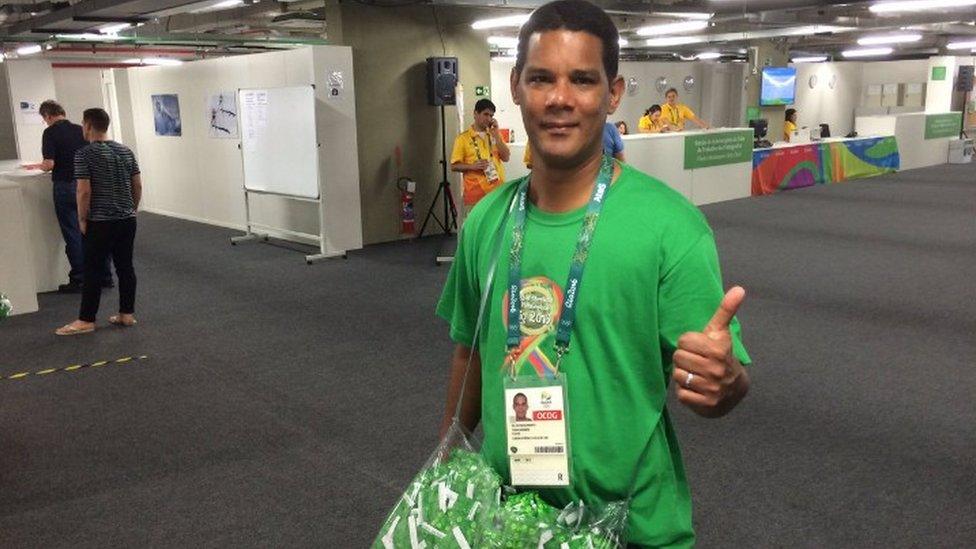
pixel 688 379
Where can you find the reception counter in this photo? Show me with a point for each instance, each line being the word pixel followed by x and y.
pixel 16 261
pixel 792 166
pixel 705 166
pixel 50 265
pixel 923 138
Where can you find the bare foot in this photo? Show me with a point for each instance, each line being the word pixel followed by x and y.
pixel 75 328
pixel 122 319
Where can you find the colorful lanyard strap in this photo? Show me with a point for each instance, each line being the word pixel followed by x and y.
pixel 477 150
pixel 568 315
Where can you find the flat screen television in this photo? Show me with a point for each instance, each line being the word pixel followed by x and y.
pixel 778 86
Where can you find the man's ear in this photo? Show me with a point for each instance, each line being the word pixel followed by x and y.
pixel 513 83
pixel 617 87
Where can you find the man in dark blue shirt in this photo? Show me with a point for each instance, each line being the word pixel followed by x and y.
pixel 59 143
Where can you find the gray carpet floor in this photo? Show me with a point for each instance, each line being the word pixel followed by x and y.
pixel 287 405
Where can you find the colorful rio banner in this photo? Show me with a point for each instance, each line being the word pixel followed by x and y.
pixel 800 166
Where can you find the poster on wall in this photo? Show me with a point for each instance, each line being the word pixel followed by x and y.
pixel 30 113
pixel 166 115
pixel 222 115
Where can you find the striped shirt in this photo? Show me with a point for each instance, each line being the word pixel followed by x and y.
pixel 109 166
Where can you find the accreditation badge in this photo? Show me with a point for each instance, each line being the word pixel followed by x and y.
pixel 536 428
pixel 491 173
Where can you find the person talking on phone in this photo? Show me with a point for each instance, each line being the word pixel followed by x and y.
pixel 480 153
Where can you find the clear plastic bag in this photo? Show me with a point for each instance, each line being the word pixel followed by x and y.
pixel 458 501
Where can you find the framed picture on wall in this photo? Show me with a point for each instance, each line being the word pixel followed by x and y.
pixel 166 115
pixel 222 115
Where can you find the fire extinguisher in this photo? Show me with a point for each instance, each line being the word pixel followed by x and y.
pixel 408 188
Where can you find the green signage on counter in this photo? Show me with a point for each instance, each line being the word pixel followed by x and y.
pixel 938 73
pixel 716 149
pixel 942 125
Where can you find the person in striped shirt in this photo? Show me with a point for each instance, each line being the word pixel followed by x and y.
pixel 109 190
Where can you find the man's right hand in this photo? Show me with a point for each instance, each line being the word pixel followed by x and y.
pixel 481 165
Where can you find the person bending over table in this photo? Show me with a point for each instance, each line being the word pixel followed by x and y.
pixel 677 114
pixel 653 122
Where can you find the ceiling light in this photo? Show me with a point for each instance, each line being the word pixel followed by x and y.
pixel 888 39
pixel 683 14
pixel 918 5
pixel 674 28
pixel 219 6
pixel 503 41
pixel 673 41
pixel 29 50
pixel 89 36
pixel 500 22
pixel 708 55
pixel 623 42
pixel 810 59
pixel 114 29
pixel 867 52
pixel 161 61
pixel 961 45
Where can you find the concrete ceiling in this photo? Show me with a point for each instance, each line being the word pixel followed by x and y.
pixel 194 28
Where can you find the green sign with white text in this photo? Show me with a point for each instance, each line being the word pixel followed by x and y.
pixel 942 125
pixel 938 73
pixel 482 91
pixel 717 149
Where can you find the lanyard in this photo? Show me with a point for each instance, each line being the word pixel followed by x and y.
pixel 568 315
pixel 477 150
pixel 673 111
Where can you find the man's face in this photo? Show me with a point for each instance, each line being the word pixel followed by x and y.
pixel 47 119
pixel 483 119
pixel 672 98
pixel 565 96
pixel 521 406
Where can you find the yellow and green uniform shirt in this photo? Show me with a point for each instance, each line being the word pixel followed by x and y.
pixel 677 115
pixel 788 129
pixel 652 274
pixel 470 147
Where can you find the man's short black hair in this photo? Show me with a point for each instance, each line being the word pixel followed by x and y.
pixel 516 397
pixel 572 15
pixel 654 108
pixel 483 104
pixel 671 90
pixel 97 118
pixel 51 108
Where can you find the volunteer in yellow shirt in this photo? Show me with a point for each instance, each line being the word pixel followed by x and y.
pixel 676 114
pixel 479 154
pixel 790 125
pixel 653 122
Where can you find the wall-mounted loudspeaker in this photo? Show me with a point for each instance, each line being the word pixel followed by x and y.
pixel 965 81
pixel 442 75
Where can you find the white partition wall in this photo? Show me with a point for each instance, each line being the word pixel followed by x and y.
pixel 199 177
pixel 30 81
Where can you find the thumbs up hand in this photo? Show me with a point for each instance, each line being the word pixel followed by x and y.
pixel 710 380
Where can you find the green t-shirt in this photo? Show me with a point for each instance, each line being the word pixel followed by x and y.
pixel 652 275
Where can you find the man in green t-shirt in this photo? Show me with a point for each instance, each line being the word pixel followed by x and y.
pixel 649 310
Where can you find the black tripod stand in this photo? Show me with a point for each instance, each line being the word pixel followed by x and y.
pixel 450 209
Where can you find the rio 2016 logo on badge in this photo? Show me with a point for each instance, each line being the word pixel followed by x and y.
pixel 542 300
pixel 545 398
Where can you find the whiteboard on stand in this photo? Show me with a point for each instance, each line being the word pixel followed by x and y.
pixel 279 145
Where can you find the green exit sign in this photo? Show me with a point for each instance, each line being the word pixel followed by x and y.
pixel 482 91
pixel 938 73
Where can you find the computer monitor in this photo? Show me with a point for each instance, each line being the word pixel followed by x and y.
pixel 759 127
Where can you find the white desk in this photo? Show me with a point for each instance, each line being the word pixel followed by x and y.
pixel 44 234
pixel 16 262
pixel 909 129
pixel 662 156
